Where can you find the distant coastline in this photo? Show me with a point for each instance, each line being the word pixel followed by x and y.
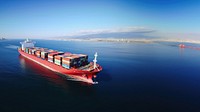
pixel 128 40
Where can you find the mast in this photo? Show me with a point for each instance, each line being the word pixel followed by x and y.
pixel 95 60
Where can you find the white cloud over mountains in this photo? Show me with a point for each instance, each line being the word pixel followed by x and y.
pixel 115 30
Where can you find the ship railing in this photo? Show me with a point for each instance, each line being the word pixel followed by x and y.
pixel 85 67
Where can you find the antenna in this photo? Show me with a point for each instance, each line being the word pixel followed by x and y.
pixel 27 40
pixel 95 60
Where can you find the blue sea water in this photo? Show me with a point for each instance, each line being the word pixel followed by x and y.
pixel 136 77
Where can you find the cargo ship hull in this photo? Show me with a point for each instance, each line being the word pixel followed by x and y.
pixel 83 75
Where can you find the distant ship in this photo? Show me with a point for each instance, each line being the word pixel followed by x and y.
pixel 74 65
pixel 2 38
pixel 181 45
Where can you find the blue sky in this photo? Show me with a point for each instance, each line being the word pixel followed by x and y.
pixel 52 18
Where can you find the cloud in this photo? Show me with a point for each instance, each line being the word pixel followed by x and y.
pixel 116 30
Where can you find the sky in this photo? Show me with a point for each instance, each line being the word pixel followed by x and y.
pixel 53 18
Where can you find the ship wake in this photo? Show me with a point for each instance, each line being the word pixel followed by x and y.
pixel 11 46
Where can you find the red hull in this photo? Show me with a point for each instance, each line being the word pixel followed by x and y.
pixel 82 75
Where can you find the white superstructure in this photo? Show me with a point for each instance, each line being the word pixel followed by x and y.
pixel 27 43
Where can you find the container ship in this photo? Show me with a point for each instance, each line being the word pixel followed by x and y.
pixel 66 63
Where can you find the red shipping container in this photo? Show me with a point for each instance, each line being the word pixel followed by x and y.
pixel 59 57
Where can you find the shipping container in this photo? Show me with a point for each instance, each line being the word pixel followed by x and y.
pixel 50 60
pixel 44 55
pixel 68 66
pixel 33 51
pixel 45 52
pixel 59 57
pixel 52 55
pixel 57 63
pixel 30 50
pixel 67 59
pixel 26 49
pixel 38 53
pixel 83 60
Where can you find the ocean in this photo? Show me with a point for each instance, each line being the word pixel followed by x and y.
pixel 136 77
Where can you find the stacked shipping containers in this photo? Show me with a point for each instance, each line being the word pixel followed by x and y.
pixel 74 60
pixel 66 60
pixel 58 59
pixel 33 51
pixel 44 54
pixel 30 50
pixel 51 56
pixel 38 53
pixel 83 60
pixel 26 50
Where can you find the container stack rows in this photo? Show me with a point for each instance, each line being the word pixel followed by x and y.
pixel 33 51
pixel 74 60
pixel 66 60
pixel 44 54
pixel 26 50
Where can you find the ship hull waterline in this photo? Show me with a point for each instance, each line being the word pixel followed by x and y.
pixel 85 76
